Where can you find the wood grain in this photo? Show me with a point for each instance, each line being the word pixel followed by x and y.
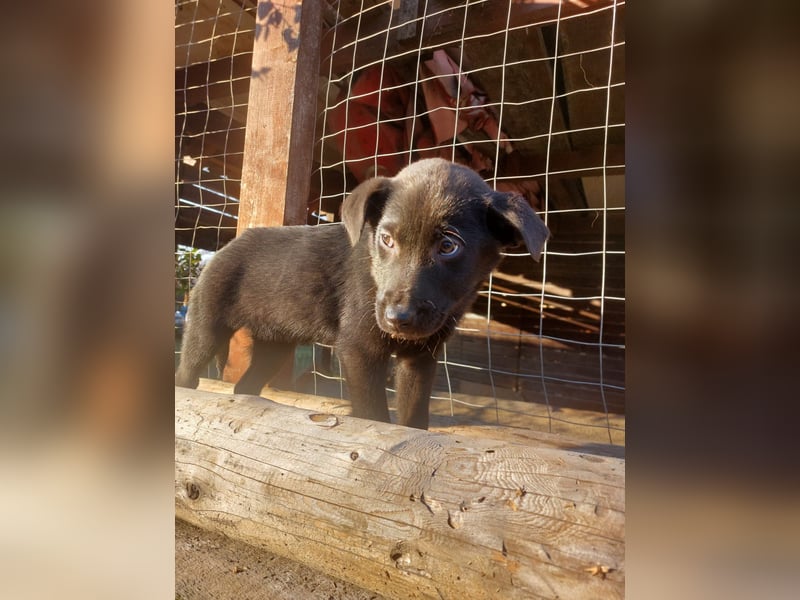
pixel 280 116
pixel 406 513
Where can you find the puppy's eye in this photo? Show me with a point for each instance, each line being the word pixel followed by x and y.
pixel 449 247
pixel 387 240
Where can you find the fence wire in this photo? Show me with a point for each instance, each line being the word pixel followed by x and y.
pixel 531 96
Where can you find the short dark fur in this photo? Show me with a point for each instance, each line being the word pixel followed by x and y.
pixel 394 277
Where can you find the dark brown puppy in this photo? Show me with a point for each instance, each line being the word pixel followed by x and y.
pixel 394 278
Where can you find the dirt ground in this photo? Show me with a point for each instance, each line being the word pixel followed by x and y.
pixel 210 566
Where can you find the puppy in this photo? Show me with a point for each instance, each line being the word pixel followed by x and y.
pixel 394 277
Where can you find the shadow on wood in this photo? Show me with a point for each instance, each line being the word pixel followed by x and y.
pixel 565 428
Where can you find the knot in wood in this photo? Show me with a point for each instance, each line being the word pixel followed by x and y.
pixel 324 420
pixel 192 490
pixel 401 555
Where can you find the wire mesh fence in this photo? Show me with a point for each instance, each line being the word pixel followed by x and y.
pixel 529 95
pixel 213 51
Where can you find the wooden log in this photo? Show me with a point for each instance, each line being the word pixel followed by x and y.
pixel 402 512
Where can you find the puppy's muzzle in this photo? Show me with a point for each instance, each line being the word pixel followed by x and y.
pixel 398 317
pixel 407 320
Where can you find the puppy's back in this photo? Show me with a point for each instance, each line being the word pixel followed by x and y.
pixel 283 283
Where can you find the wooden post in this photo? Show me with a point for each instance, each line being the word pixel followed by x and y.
pixel 281 113
pixel 402 512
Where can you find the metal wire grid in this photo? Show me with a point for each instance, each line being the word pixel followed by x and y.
pixel 210 117
pixel 214 46
pixel 213 56
pixel 539 368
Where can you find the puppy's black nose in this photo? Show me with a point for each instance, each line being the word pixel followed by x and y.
pixel 398 316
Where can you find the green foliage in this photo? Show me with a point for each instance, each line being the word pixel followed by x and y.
pixel 187 268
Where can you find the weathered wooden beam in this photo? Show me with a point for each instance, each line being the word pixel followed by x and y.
pixel 403 512
pixel 304 115
pixel 281 114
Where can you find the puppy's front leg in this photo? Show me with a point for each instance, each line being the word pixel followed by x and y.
pixel 366 383
pixel 414 377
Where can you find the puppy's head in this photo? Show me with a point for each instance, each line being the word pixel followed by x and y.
pixel 435 232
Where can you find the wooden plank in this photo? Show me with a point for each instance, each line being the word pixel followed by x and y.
pixel 281 114
pixel 304 115
pixel 402 512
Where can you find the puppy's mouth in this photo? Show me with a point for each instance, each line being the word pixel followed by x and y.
pixel 403 322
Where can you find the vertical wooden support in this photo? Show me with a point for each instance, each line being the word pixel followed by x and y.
pixel 279 138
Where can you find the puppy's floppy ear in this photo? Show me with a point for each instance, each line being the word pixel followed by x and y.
pixel 511 219
pixel 365 204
